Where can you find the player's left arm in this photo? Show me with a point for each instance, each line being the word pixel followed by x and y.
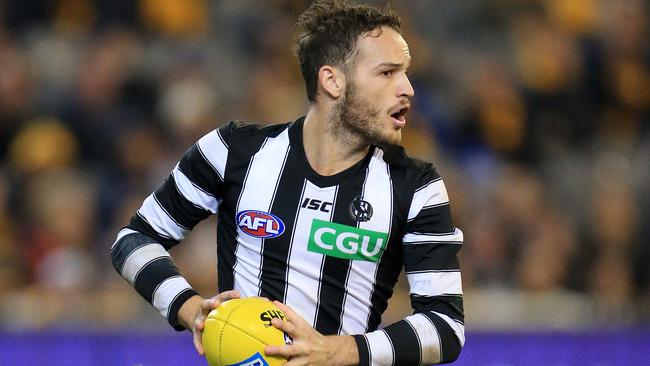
pixel 435 333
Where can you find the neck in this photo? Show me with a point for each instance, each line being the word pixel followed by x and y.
pixel 329 149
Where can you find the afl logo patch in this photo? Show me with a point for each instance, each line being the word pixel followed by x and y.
pixel 260 224
pixel 360 210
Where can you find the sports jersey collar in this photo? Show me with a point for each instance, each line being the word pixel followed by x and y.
pixel 295 138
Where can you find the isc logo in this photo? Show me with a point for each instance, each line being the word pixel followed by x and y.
pixel 318 205
pixel 260 224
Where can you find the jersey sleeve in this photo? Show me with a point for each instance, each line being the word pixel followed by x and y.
pixel 435 333
pixel 190 194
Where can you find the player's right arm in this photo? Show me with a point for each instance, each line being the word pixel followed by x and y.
pixel 140 253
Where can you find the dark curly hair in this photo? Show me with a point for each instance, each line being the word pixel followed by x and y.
pixel 328 31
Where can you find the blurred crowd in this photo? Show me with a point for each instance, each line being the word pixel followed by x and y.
pixel 537 113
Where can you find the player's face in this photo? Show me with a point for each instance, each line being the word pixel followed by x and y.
pixel 378 91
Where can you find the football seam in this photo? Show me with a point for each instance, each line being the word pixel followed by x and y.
pixel 225 322
pixel 243 331
pixel 223 328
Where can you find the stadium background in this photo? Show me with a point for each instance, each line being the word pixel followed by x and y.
pixel 536 112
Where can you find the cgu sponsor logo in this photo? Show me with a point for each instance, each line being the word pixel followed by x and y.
pixel 260 224
pixel 347 242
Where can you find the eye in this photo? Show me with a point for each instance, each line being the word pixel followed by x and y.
pixel 387 73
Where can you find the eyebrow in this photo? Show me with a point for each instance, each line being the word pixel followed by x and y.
pixel 393 64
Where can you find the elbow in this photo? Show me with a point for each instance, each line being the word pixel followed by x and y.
pixel 124 244
pixel 448 352
pixel 117 256
pixel 451 348
pixel 452 353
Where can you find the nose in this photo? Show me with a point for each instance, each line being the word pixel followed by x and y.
pixel 405 88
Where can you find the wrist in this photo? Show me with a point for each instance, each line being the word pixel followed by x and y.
pixel 343 350
pixel 188 311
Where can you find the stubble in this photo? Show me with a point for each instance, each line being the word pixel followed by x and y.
pixel 354 120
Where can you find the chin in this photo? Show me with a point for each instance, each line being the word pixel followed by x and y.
pixel 391 138
pixel 394 136
pixel 395 140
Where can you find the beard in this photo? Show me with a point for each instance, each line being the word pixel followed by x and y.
pixel 355 119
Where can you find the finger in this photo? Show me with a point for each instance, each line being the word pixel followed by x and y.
pixel 227 295
pixel 208 304
pixel 291 315
pixel 282 351
pixel 199 323
pixel 285 326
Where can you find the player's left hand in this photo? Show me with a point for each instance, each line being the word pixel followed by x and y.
pixel 310 347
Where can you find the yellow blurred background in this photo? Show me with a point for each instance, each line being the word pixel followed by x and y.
pixel 537 113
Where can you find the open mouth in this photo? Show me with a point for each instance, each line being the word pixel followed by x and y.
pixel 399 117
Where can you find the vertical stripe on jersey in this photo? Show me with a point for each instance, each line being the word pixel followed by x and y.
pixel 290 195
pixel 257 194
pixel 335 271
pixel 377 190
pixel 304 268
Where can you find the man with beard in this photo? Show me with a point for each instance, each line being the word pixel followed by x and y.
pixel 320 214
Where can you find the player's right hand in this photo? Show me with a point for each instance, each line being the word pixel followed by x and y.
pixel 201 309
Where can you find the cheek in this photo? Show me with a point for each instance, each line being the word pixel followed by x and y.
pixel 376 96
pixel 373 88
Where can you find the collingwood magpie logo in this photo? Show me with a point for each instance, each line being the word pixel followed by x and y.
pixel 360 210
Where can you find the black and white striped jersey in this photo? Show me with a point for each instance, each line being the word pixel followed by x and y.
pixel 331 247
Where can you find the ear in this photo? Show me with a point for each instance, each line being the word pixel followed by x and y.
pixel 332 80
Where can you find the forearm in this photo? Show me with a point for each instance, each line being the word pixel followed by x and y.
pixel 420 339
pixel 149 268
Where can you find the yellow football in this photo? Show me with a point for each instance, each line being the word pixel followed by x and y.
pixel 237 331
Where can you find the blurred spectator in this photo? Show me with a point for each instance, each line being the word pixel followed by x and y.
pixel 188 107
pixel 536 113
pixel 12 267
pixel 16 85
pixel 42 145
pixel 175 17
pixel 62 205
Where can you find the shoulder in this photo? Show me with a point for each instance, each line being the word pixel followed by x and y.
pixel 408 175
pixel 412 170
pixel 246 136
pixel 239 129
